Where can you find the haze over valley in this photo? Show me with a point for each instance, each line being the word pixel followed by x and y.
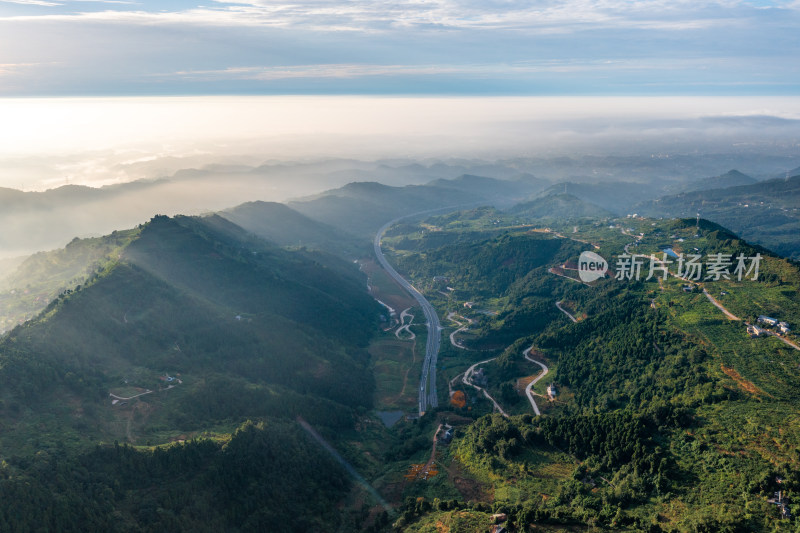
pixel 406 267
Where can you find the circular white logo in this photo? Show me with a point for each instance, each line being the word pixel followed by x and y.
pixel 591 267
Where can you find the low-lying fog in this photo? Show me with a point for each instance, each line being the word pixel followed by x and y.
pixel 199 154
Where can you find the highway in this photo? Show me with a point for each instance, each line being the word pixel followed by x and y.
pixel 427 382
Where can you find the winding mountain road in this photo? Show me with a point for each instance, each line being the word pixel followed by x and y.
pixel 467 380
pixel 462 327
pixel 558 304
pixel 528 391
pixel 405 327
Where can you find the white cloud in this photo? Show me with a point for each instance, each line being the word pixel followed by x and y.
pixel 375 15
pixel 31 2
pixel 105 45
pixel 14 68
pixel 358 70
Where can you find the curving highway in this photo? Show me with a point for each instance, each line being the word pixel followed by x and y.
pixel 427 382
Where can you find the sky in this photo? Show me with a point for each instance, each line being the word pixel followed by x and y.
pixel 399 47
pixel 91 89
pixel 49 142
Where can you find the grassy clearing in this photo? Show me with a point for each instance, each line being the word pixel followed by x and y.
pixel 396 366
pixel 385 289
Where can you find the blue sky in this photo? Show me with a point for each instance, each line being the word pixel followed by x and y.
pixel 406 47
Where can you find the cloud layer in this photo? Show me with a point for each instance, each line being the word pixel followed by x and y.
pixel 106 47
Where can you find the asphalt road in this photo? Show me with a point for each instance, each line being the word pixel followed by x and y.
pixel 427 382
pixel 528 391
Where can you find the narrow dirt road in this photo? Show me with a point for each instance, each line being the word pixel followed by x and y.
pixel 462 327
pixel 558 304
pixel 405 327
pixel 468 381
pixel 528 391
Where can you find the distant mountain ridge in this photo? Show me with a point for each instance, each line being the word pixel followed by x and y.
pixel 284 226
pixel 765 212
pixel 732 178
pixel 559 206
pixel 362 207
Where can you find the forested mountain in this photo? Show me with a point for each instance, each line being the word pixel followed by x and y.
pixel 362 208
pixel 667 411
pixel 766 212
pixel 251 329
pixel 40 278
pixel 284 226
pixel 493 190
pixel 124 406
pixel 182 326
pixel 617 197
pixel 732 178
pixel 558 206
pixel 265 477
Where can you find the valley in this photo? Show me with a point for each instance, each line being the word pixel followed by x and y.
pixel 459 367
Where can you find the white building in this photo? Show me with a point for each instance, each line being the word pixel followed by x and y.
pixel 769 321
pixel 551 390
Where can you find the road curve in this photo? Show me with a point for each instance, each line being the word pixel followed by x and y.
pixel 427 382
pixel 528 391
pixel 405 327
pixel 462 327
pixel 467 380
pixel 558 304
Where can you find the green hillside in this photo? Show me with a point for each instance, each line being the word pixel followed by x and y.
pixel 284 226
pixel 732 178
pixel 245 328
pixel 361 208
pixel 264 477
pixel 618 197
pixel 669 417
pixel 43 276
pixel 124 406
pixel 765 213
pixel 559 206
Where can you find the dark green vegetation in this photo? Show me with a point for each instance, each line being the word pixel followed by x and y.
pixel 503 275
pixel 194 325
pixel 43 276
pixel 668 416
pixel 264 477
pixel 765 213
pixel 252 329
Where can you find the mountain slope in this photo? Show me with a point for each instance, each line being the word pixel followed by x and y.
pixel 618 197
pixel 42 276
pixel 559 206
pixel 361 208
pixel 284 226
pixel 732 178
pixel 765 213
pixel 252 330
